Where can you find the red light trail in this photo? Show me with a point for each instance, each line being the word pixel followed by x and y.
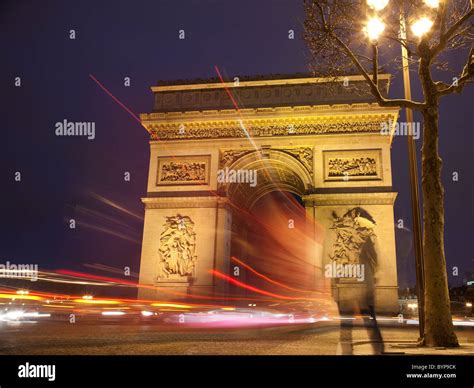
pixel 252 288
pixel 248 267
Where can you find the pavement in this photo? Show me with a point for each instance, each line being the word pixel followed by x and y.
pixel 465 349
pixel 322 338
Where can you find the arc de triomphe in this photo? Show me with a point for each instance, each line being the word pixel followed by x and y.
pixel 316 138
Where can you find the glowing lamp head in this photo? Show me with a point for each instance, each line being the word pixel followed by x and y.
pixel 421 26
pixel 378 5
pixel 374 28
pixel 432 3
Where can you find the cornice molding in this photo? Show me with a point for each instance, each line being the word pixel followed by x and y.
pixel 185 202
pixel 383 198
pixel 270 112
pixel 218 84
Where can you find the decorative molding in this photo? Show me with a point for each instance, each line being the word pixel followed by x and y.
pixel 183 170
pixel 185 202
pixel 351 165
pixel 228 157
pixel 350 199
pixel 303 154
pixel 352 110
pixel 263 128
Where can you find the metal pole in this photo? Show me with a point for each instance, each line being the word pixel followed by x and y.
pixel 415 204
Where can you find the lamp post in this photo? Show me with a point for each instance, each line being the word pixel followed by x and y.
pixel 374 29
pixel 415 201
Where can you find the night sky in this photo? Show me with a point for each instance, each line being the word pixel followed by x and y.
pixel 65 177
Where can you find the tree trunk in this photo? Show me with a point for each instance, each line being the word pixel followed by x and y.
pixel 439 329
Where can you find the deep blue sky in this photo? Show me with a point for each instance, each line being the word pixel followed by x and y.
pixel 139 39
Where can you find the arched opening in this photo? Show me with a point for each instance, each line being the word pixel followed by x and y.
pixel 271 235
pixel 274 170
pixel 278 242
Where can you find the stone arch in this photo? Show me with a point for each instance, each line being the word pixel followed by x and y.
pixel 328 139
pixel 276 170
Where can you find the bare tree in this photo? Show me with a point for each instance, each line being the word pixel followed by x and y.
pixel 341 42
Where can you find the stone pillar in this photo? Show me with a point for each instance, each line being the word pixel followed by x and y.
pixel 315 239
pixel 210 220
pixel 358 210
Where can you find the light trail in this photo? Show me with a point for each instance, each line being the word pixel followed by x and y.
pixel 238 283
pixel 20 297
pixel 106 230
pixel 122 105
pixel 179 306
pixel 135 284
pixel 107 268
pixel 102 216
pixel 97 301
pixel 116 206
pixel 248 267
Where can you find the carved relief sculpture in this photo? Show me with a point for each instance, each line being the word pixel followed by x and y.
pixel 232 130
pixel 353 164
pixel 177 248
pixel 176 172
pixel 303 154
pixel 230 156
pixel 183 170
pixel 339 167
pixel 355 238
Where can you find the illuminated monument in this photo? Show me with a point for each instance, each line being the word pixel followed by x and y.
pixel 317 139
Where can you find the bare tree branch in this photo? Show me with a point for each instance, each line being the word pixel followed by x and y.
pixel 373 87
pixel 446 36
pixel 466 76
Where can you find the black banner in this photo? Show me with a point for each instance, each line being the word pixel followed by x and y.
pixel 358 371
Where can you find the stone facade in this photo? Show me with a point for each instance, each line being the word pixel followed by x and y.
pixel 326 149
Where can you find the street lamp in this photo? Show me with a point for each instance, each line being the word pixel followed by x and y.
pixel 378 5
pixel 432 3
pixel 419 28
pixel 374 28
